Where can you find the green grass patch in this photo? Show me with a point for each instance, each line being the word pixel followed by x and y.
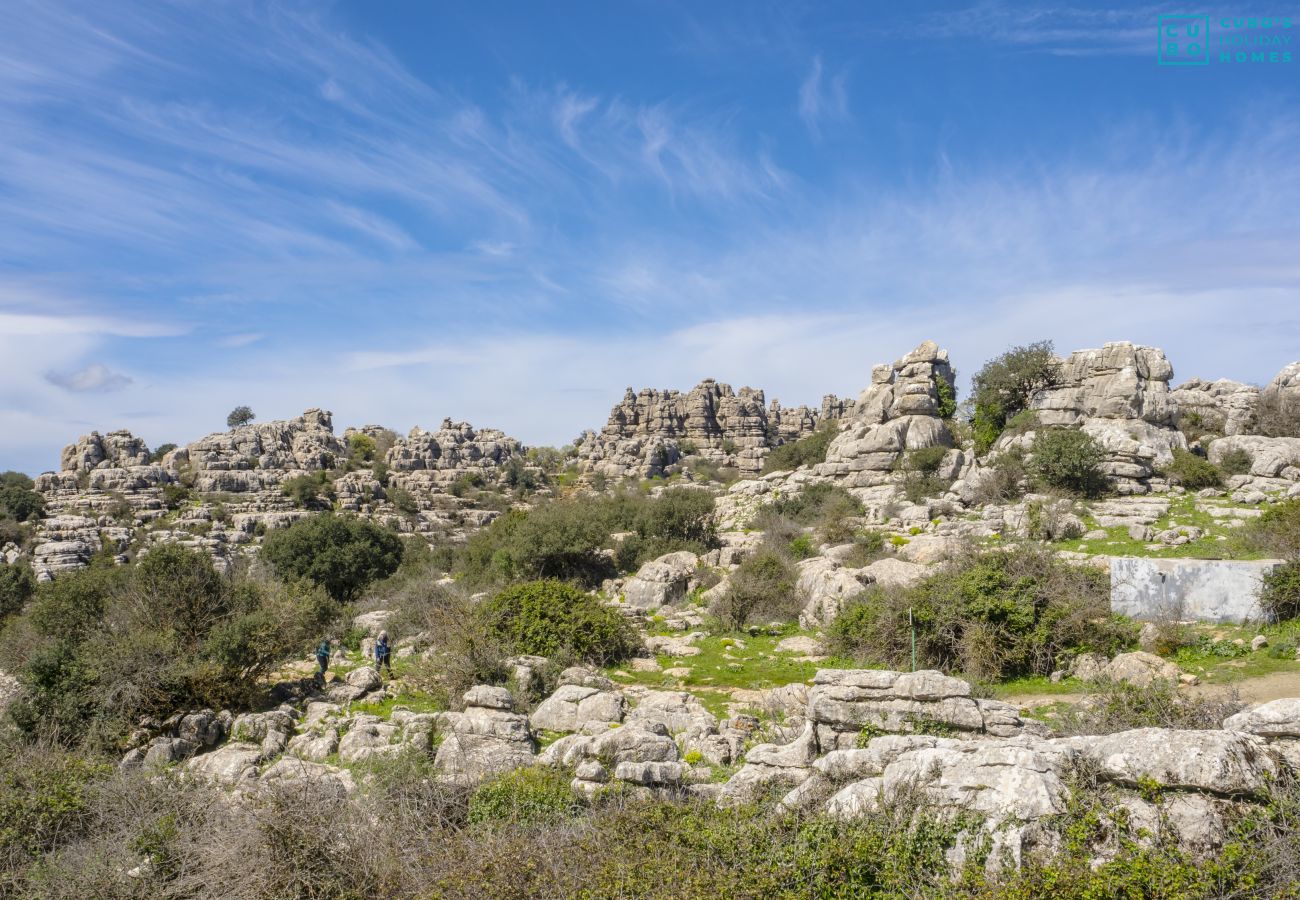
pixel 1184 511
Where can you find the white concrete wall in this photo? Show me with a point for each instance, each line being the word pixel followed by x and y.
pixel 1210 590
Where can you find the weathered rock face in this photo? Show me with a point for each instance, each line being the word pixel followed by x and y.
pixel 1223 406
pixel 901 410
pixel 661 582
pixel 254 456
pixel 486 739
pixel 1120 396
pixel 842 702
pixel 115 450
pixel 455 448
pixel 1284 389
pixel 651 430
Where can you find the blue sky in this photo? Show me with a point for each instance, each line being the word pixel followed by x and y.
pixel 508 212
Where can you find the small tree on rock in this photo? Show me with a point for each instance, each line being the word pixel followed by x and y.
pixel 240 415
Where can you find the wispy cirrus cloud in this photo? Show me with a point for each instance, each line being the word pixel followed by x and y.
pixel 822 98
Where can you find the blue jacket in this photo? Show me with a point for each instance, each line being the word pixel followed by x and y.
pixel 323 649
pixel 381 649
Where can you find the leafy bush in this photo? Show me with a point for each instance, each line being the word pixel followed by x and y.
pixel 16 587
pixel 988 615
pixel 802 547
pixel 240 415
pixel 807 451
pixel 1069 459
pixel 822 505
pixel 761 589
pixel 403 500
pixel 361 447
pixel 18 500
pixel 160 451
pixel 1279 596
pixel 43 797
pixel 342 554
pixel 173 495
pixel 566 539
pixel 535 796
pixel 1193 472
pixel 1277 531
pixel 919 467
pixel 1236 462
pixel 550 617
pixel 99 648
pixel 1006 384
pixel 308 491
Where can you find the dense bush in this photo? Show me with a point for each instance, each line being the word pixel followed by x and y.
pixel 994 614
pixel 308 491
pixel 1006 384
pixel 567 539
pixel 1236 462
pixel 1193 472
pixel 44 798
pixel 340 553
pixel 1279 596
pixel 16 587
pixel 1068 459
pixel 825 506
pixel 807 451
pixel 531 797
pixel 160 451
pixel 919 468
pixel 99 648
pixel 18 500
pixel 548 618
pixel 761 589
pixel 1277 531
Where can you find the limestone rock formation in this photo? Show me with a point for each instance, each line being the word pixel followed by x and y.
pixel 902 410
pixel 1223 406
pixel 651 430
pixel 1119 395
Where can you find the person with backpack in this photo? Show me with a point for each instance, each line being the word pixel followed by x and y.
pixel 383 653
pixel 322 658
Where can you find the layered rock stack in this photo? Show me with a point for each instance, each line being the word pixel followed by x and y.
pixel 650 431
pixel 903 409
pixel 1223 406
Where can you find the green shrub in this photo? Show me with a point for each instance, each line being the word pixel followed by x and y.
pixel 16 587
pixel 1068 459
pixel 403 500
pixel 159 452
pixel 761 589
pixel 802 547
pixel 1193 472
pixel 550 617
pixel 807 451
pixel 926 460
pixel 1277 531
pixel 361 447
pixel 566 539
pixel 824 506
pixel 43 797
pixel 173 495
pixel 466 483
pixel 342 554
pixel 1236 462
pixel 177 590
pixel 988 615
pixel 308 491
pixel 535 796
pixel 919 468
pixel 1279 596
pixel 1006 384
pixel 18 499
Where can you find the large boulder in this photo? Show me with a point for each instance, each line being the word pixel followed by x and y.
pixel 1216 762
pixel 486 739
pixel 661 582
pixel 576 708
pixel 823 586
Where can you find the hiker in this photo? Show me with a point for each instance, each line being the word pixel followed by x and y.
pixel 383 655
pixel 323 658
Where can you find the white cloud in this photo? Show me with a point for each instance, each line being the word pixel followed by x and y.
pixel 240 340
pixel 822 99
pixel 95 378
